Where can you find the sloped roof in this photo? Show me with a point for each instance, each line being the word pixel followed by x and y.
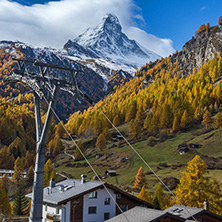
pixel 183 211
pixel 189 212
pixel 143 214
pixel 74 188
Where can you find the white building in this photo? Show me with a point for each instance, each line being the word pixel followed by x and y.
pixel 10 173
pixel 85 201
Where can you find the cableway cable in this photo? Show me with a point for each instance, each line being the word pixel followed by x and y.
pixel 144 161
pixel 86 160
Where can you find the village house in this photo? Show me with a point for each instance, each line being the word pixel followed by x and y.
pixel 142 214
pixel 85 201
pixel 110 173
pixel 175 213
pixel 10 173
pixel 189 213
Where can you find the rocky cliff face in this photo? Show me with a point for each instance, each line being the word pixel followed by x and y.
pixel 199 49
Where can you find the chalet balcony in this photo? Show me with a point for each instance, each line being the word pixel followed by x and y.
pixel 53 217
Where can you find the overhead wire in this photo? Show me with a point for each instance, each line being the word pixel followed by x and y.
pixel 91 165
pixel 144 161
pixel 60 121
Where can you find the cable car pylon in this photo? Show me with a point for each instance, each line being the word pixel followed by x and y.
pixel 46 81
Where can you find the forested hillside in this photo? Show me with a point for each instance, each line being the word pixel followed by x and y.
pixel 159 100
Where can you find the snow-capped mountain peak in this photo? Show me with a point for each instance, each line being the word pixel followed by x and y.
pixel 108 41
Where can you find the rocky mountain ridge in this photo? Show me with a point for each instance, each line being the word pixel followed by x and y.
pixel 93 82
pixel 199 49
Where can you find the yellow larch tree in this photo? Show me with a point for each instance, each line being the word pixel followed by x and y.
pixel 192 189
pixel 145 195
pixel 4 202
pixel 140 180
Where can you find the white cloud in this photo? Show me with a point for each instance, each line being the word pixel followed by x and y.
pixel 203 8
pixel 52 24
pixel 162 47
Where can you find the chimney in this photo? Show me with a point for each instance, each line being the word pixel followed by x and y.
pixel 206 205
pixel 62 188
pixel 83 178
pixel 52 183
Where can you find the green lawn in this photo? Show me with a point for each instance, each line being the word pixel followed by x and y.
pixel 164 152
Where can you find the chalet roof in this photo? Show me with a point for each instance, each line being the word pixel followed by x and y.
pixel 187 212
pixel 9 171
pixel 6 171
pixel 111 171
pixel 74 188
pixel 143 214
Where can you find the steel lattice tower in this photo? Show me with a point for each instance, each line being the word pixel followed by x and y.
pixel 45 84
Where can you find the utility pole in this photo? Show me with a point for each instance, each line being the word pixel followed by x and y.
pixel 45 84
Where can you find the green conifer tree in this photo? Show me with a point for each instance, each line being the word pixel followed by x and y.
pixel 20 203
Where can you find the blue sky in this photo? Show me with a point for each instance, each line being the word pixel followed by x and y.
pixel 178 19
pixel 162 26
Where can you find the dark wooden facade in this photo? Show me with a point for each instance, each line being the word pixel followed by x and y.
pixel 76 211
pixel 125 200
pixel 208 217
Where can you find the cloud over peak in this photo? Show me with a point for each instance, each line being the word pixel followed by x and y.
pixel 53 23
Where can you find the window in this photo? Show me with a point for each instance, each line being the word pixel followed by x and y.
pixel 124 207
pixel 93 195
pixel 118 195
pixel 106 216
pixel 92 210
pixel 107 201
pixel 57 210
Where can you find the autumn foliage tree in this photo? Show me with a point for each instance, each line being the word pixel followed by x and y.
pixel 217 122
pixel 49 172
pixel 145 195
pixel 171 101
pixel 19 169
pixel 140 180
pixel 191 190
pixel 207 119
pixel 159 198
pixel 101 142
pixel 78 155
pixel 4 202
pixel 194 187
pixel 134 128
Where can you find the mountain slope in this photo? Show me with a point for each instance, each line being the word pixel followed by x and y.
pixel 108 41
pixel 200 49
